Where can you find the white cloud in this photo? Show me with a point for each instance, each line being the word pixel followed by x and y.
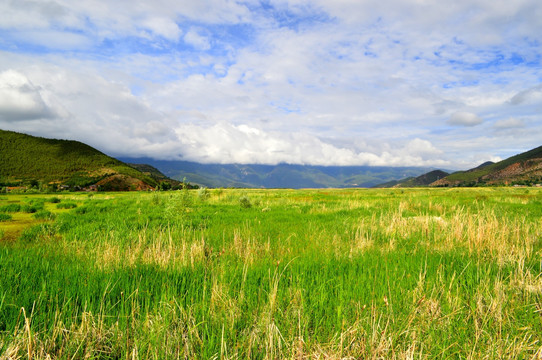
pixel 33 14
pixel 124 125
pixel 20 99
pixel 511 123
pixel 163 26
pixel 531 95
pixel 194 38
pixel 464 118
pixel 225 143
pixel 319 81
pixel 422 148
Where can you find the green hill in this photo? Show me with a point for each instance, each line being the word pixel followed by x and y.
pixel 29 160
pixel 524 168
pixel 161 178
pixel 420 181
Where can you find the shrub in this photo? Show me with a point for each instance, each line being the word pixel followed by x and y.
pixel 54 200
pixel 83 210
pixel 244 201
pixel 67 205
pixel 35 233
pixel 164 186
pixel 44 215
pixel 5 217
pixel 177 203
pixel 33 206
pixel 203 193
pixel 10 208
pixel 185 198
pixel 30 209
pixel 156 199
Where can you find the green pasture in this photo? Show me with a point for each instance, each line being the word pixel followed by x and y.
pixel 273 274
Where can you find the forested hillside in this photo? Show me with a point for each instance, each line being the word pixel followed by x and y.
pixel 420 181
pixel 521 169
pixel 28 159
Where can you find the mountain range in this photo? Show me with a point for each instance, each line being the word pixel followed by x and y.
pixel 279 176
pixel 29 160
pixel 422 180
pixel 521 169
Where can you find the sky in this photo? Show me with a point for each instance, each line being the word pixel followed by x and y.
pixel 321 82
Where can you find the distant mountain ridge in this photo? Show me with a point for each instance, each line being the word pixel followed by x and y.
pixel 521 169
pixel 157 175
pixel 35 160
pixel 422 180
pixel 279 176
pixel 481 166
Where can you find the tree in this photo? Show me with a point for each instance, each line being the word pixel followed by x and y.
pixel 164 186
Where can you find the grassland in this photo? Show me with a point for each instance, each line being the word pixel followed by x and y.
pixel 273 274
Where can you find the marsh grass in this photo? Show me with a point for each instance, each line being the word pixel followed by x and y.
pixel 334 274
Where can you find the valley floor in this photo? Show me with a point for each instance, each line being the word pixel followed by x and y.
pixel 272 274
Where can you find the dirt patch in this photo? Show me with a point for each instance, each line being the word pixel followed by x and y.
pixel 121 182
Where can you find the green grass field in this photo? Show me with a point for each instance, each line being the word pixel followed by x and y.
pixel 273 274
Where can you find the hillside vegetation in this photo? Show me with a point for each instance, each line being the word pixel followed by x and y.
pixel 524 168
pixel 422 180
pixel 28 159
pixel 521 169
pixel 164 181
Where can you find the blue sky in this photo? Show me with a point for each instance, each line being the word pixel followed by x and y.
pixel 388 82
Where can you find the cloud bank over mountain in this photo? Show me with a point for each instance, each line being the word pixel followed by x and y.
pixel 308 82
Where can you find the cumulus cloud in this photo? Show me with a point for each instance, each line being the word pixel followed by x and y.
pixel 226 143
pixel 301 81
pixel 464 118
pixel 423 148
pixel 116 121
pixel 20 99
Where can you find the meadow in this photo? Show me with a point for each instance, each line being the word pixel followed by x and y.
pixel 447 273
